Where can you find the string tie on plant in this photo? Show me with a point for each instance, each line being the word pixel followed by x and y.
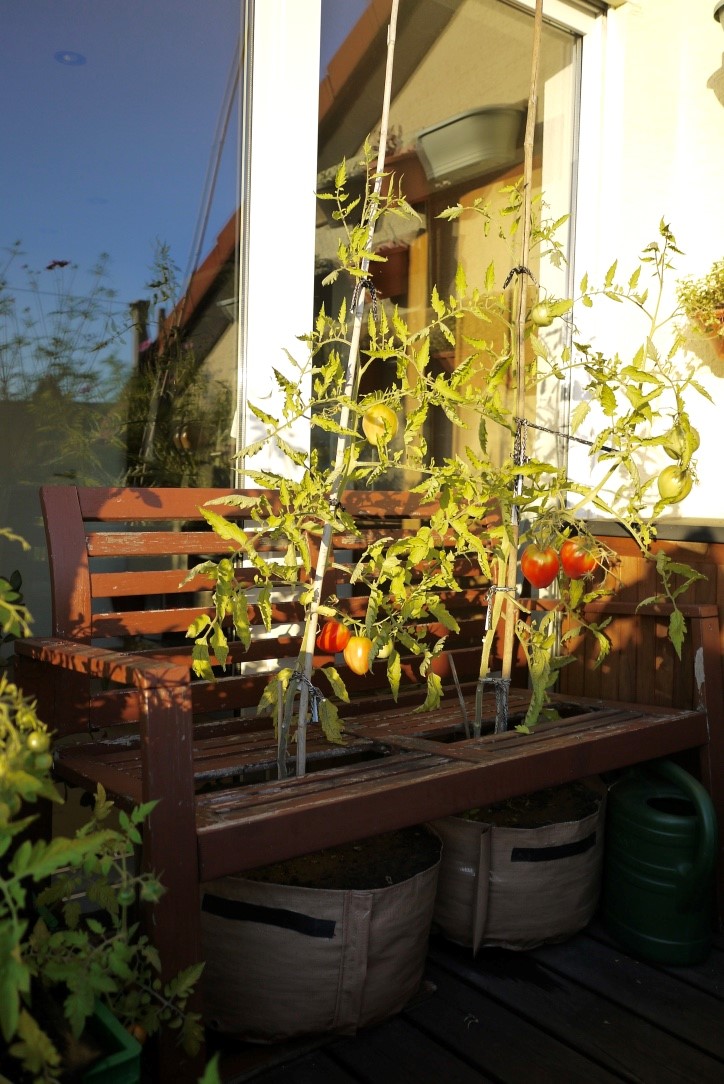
pixel 315 695
pixel 519 270
pixel 520 452
pixel 365 284
pixel 564 436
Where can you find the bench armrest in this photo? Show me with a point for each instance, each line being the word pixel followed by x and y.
pixel 120 667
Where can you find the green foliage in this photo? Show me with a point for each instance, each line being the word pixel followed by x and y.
pixel 639 402
pixel 702 299
pixel 73 402
pixel 46 942
pixel 14 616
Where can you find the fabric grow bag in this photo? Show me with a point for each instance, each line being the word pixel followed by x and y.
pixel 284 960
pixel 519 887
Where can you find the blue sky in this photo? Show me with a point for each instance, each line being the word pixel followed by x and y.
pixel 108 128
pixel 110 154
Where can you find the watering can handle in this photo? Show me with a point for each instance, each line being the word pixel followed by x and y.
pixel 702 867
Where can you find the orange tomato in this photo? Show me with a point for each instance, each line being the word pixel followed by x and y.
pixel 357 654
pixel 577 559
pixel 539 566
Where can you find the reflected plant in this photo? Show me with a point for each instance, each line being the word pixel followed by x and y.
pixel 77 407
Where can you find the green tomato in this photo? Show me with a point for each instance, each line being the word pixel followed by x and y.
pixel 541 314
pixel 674 484
pixel 681 441
pixel 37 741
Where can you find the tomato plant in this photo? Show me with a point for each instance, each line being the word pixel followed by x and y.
pixel 357 654
pixel 674 484
pixel 541 314
pixel 333 637
pixel 539 566
pixel 577 560
pixel 379 422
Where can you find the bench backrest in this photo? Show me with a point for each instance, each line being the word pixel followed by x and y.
pixel 118 559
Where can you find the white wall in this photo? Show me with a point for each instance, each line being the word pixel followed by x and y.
pixel 652 147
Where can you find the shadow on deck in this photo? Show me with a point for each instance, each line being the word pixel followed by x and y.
pixel 578 1011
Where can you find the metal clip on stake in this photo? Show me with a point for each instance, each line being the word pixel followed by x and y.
pixel 315 695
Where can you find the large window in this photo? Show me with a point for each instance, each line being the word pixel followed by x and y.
pixel 159 220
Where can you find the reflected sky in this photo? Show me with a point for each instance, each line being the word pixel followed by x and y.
pixel 112 125
pixel 111 111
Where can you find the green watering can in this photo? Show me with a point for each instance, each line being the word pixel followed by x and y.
pixel 659 861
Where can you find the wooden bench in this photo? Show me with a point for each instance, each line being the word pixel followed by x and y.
pixel 114 682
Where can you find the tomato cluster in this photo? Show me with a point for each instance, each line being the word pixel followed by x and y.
pixel 540 565
pixel 334 637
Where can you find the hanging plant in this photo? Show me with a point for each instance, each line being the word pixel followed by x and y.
pixel 702 301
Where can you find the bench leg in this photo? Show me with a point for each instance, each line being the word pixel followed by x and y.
pixel 170 851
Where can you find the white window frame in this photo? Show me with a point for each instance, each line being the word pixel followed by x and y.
pixel 279 118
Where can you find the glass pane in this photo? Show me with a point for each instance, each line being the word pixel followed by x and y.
pixel 460 92
pixel 122 185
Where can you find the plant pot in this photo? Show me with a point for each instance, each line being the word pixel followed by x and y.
pixel 472 144
pixel 518 887
pixel 122 1063
pixel 289 959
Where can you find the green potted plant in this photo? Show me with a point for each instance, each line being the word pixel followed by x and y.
pixel 702 301
pixel 79 983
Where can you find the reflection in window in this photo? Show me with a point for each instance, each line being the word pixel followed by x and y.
pixel 456 130
pixel 123 184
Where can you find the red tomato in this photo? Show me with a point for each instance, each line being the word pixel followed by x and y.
pixel 333 637
pixel 357 654
pixel 540 567
pixel 577 560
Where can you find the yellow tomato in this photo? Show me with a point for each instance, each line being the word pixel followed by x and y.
pixel 379 422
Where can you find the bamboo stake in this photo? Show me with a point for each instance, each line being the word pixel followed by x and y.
pixel 338 477
pixel 519 306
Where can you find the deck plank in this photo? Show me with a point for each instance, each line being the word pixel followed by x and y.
pixel 399 1053
pixel 496 1040
pixel 696 1019
pixel 599 1028
pixel 582 1010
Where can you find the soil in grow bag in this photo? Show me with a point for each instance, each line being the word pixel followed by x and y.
pixel 569 802
pixel 368 863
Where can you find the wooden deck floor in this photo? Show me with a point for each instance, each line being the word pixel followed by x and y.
pixel 579 1011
